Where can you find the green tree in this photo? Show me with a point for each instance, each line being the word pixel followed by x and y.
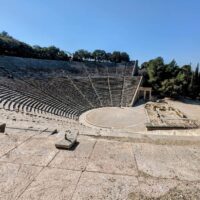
pixel 109 56
pixel 170 88
pixel 81 55
pixel 116 57
pixel 196 75
pixel 124 57
pixel 196 83
pixel 191 88
pixel 4 34
pixel 168 79
pixel 156 72
pixel 186 73
pixel 52 52
pixel 99 55
pixel 13 47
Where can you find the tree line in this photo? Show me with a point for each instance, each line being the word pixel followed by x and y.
pixel 171 80
pixel 101 55
pixel 12 47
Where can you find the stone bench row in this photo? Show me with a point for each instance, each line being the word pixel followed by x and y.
pixel 130 85
pixel 13 100
pixel 85 85
pixel 65 92
pixel 116 87
pixel 30 98
pixel 102 88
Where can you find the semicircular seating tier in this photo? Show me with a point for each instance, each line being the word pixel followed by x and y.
pixel 66 91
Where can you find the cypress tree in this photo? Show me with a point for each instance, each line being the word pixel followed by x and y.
pixel 191 86
pixel 196 81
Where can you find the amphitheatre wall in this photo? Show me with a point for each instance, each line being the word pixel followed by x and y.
pixel 41 65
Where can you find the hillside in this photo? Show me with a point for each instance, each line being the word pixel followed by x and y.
pixel 43 67
pixel 12 47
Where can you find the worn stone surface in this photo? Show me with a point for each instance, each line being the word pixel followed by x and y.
pixel 113 157
pixel 14 179
pixel 154 187
pixel 173 139
pixel 98 167
pixel 10 141
pixel 35 152
pixel 52 184
pixel 104 186
pixel 182 162
pixel 166 189
pixel 43 134
pixel 76 158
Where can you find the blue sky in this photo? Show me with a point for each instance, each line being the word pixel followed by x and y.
pixel 143 28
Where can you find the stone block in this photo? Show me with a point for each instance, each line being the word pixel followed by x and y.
pixel 68 141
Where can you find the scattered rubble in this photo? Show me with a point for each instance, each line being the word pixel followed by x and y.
pixel 163 116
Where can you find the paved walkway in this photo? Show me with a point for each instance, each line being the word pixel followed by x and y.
pixel 32 168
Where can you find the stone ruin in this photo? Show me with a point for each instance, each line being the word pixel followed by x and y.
pixel 161 115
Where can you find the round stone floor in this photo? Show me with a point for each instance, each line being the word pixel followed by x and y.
pixel 114 117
